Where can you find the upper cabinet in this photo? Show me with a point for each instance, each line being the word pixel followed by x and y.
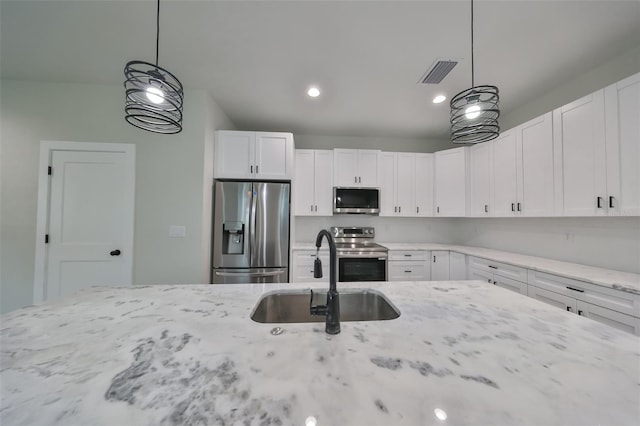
pixel 597 153
pixel 253 155
pixel 622 122
pixel 522 170
pixel 355 167
pixel 424 185
pixel 397 182
pixel 450 182
pixel 480 174
pixel 313 182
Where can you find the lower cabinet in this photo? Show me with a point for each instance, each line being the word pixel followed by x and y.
pixel 510 277
pixel 615 308
pixel 440 265
pixel 302 267
pixel 409 265
pixel 457 266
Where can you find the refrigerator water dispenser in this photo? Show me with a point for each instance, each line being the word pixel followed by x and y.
pixel 233 238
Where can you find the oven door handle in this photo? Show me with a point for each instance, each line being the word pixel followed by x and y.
pixel 361 256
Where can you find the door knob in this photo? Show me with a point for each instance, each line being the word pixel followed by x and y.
pixel 115 253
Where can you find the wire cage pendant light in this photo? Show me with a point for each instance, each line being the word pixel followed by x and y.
pixel 154 96
pixel 475 111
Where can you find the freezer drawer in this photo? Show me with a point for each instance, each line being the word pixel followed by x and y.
pixel 250 276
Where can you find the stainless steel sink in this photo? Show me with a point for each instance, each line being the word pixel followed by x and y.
pixel 287 306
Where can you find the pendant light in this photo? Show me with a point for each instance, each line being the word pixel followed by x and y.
pixel 154 96
pixel 475 112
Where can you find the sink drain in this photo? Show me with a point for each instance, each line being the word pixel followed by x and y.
pixel 276 331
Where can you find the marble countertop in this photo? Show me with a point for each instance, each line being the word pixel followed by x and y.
pixel 189 354
pixel 618 280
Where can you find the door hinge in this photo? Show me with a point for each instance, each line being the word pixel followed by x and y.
pixel 50 171
pixel 46 238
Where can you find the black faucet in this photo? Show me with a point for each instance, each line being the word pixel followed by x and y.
pixel 332 309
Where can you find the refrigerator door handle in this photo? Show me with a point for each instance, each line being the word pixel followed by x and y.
pixel 251 274
pixel 253 249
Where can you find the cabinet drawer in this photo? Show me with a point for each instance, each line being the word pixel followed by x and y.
pixel 621 301
pixel 609 317
pixel 509 284
pixel 502 269
pixel 407 271
pixel 408 255
pixel 552 298
pixel 308 257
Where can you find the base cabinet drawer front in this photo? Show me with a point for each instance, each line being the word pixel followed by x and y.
pixel 509 271
pixel 509 284
pixel 620 301
pixel 408 255
pixel 408 271
pixel 558 300
pixel 609 317
pixel 480 274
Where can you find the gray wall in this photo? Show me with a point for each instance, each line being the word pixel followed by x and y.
pixel 171 178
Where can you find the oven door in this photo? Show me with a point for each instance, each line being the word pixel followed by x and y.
pixel 362 267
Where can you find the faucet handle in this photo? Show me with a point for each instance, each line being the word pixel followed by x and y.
pixel 317 268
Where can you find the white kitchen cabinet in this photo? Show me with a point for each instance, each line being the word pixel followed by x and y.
pixel 480 180
pixel 355 167
pixel 409 265
pixel 619 309
pixel 313 182
pixel 457 266
pixel 622 118
pixel 522 170
pixel 580 166
pixel 253 155
pixel 503 275
pixel 450 182
pixel 440 265
pixel 302 268
pixel 505 172
pixel 424 185
pixel 397 183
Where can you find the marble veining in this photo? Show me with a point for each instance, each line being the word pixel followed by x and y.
pixel 190 355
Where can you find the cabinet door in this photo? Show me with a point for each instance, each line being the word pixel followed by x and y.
pixel 535 167
pixel 504 184
pixel 457 266
pixel 479 180
pixel 368 167
pixel 303 267
pixel 424 184
pixel 273 155
pixel 623 146
pixel 304 182
pixel 405 181
pixel 439 265
pixel 387 171
pixel 558 300
pixel 450 182
pixel 609 317
pixel 323 188
pixel 345 162
pixel 234 154
pixel 580 132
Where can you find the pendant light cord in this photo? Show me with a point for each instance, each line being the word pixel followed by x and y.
pixel 157 31
pixel 472 70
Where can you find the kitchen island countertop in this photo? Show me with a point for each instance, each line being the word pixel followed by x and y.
pixel 190 354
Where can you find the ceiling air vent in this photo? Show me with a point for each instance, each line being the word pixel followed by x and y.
pixel 438 71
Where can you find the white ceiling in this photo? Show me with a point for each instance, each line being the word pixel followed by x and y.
pixel 257 58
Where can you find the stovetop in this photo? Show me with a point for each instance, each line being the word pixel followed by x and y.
pixel 360 246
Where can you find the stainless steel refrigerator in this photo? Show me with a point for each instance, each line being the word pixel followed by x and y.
pixel 250 232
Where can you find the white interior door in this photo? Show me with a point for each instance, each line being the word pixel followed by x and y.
pixel 90 221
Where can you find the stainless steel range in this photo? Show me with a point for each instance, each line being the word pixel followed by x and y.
pixel 359 258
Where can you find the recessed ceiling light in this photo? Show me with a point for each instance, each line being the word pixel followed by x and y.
pixel 439 99
pixel 314 92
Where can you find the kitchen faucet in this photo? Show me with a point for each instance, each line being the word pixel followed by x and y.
pixel 332 309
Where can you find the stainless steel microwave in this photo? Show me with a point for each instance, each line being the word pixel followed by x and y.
pixel 356 200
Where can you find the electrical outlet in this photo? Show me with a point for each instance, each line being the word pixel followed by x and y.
pixel 177 231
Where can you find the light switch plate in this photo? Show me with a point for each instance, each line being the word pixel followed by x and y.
pixel 177 231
